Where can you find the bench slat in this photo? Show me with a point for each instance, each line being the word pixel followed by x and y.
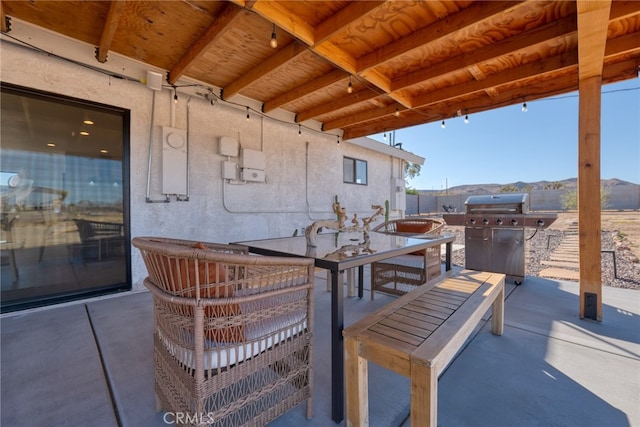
pixel 419 323
pixel 428 300
pixel 412 329
pixel 417 336
pixel 447 295
pixel 426 311
pixel 413 314
pixel 396 334
pixel 446 340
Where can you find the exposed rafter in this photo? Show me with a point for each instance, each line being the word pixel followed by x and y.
pixel 110 26
pixel 3 19
pixel 593 22
pixel 347 101
pixel 221 24
pixel 304 90
pixel 426 60
pixel 279 59
pixel 335 23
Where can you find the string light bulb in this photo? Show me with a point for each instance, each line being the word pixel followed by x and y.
pixel 385 135
pixel 397 112
pixel 524 107
pixel 443 125
pixel 299 130
pixel 274 38
pixel 466 119
pixel 350 86
pixel 175 96
pixel 338 136
pixel 248 117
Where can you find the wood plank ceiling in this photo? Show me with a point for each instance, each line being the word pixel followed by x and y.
pixel 408 62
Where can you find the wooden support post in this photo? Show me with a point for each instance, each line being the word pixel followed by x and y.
pixel 593 24
pixel 589 216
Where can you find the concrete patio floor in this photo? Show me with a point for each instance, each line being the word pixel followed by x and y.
pixel 90 363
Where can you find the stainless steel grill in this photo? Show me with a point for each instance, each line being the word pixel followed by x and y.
pixel 494 232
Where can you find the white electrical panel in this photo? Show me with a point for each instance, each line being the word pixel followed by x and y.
pixel 228 146
pixel 229 170
pixel 254 175
pixel 252 159
pixel 398 195
pixel 174 161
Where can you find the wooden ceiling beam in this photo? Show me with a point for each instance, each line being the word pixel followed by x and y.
pixel 471 15
pixel 274 12
pixel 553 30
pixel 109 29
pixel 336 56
pixel 284 55
pixel 623 10
pixel 544 88
pixel 3 19
pixel 196 50
pixel 409 118
pixel 304 90
pixel 622 45
pixel 555 63
pixel 593 22
pixel 347 101
pixel 363 117
pixel 317 37
pixel 353 11
pixel 567 26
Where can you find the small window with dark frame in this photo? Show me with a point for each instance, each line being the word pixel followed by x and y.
pixel 354 171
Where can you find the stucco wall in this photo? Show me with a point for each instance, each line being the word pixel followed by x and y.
pixel 304 173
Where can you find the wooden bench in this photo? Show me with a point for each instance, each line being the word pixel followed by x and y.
pixel 417 336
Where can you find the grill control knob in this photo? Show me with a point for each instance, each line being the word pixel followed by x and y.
pixel 485 221
pixel 514 222
pixel 472 221
pixel 540 223
pixel 499 221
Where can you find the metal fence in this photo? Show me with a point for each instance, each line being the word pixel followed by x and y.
pixel 623 197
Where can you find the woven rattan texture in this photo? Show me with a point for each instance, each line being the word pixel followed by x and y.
pixel 233 332
pixel 395 276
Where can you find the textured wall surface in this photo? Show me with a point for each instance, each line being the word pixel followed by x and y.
pixel 303 173
pixel 620 197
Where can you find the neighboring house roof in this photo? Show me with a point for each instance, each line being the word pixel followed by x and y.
pixel 380 147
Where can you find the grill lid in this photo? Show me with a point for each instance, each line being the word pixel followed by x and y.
pixel 512 203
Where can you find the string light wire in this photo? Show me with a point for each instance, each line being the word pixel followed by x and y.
pixel 541 96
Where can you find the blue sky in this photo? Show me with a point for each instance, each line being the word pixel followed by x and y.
pixel 508 145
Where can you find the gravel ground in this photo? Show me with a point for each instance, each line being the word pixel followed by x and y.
pixel 628 265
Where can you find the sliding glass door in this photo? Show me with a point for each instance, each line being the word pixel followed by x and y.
pixel 64 204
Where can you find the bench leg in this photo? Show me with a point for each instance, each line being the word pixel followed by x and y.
pixel 424 395
pixel 357 385
pixel 497 318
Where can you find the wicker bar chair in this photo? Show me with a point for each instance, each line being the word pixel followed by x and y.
pixel 402 274
pixel 233 332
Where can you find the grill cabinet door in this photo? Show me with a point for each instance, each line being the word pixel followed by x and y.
pixel 477 248
pixel 508 251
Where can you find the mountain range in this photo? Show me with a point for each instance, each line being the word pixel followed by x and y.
pixel 566 184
